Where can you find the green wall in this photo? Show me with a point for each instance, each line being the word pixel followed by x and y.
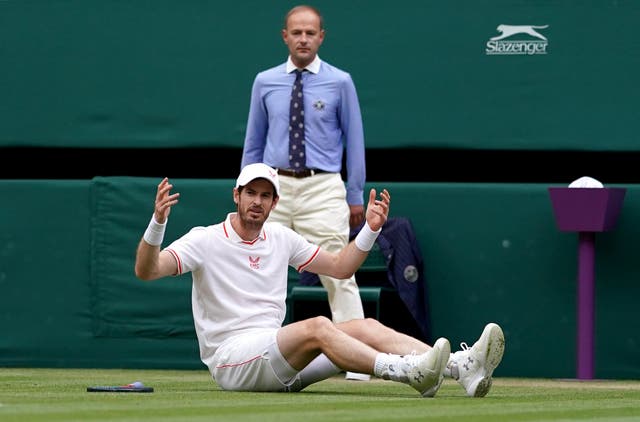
pixel 161 73
pixel 492 252
pixel 164 74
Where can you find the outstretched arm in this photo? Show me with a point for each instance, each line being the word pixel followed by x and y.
pixel 151 262
pixel 343 264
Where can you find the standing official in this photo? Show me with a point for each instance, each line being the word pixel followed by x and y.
pixel 304 114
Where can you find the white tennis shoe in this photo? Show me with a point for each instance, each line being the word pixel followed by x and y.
pixel 424 372
pixel 473 366
pixel 443 349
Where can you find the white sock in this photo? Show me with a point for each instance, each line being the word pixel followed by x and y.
pixel 318 369
pixel 381 366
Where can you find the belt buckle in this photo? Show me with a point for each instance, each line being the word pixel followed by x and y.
pixel 298 174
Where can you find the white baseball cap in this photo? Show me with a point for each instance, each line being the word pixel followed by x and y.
pixel 256 171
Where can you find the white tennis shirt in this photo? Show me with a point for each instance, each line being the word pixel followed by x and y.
pixel 238 286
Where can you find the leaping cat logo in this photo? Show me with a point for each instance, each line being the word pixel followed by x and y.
pixel 509 30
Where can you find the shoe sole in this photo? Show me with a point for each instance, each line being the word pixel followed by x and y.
pixel 494 352
pixel 444 351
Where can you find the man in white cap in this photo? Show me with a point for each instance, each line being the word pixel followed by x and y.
pixel 239 270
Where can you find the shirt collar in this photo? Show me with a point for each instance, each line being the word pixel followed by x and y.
pixel 233 236
pixel 313 67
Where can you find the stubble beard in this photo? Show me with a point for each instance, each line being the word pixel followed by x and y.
pixel 251 223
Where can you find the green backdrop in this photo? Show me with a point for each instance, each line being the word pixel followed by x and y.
pixel 492 252
pixel 160 73
pixel 164 73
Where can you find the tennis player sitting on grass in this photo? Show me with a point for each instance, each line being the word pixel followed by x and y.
pixel 239 269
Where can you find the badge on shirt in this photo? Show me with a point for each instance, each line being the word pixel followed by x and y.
pixel 318 105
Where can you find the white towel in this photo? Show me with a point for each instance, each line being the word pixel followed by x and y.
pixel 586 182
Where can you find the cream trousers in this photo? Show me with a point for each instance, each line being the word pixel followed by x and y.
pixel 316 207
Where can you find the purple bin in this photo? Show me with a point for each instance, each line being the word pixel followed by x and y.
pixel 586 211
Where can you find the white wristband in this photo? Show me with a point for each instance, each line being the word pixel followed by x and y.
pixel 155 232
pixel 366 238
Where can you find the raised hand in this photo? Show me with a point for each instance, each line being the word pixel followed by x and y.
pixel 378 209
pixel 164 201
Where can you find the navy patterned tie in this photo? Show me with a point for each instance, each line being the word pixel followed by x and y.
pixel 297 158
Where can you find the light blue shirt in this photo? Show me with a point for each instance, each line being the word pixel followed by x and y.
pixel 333 122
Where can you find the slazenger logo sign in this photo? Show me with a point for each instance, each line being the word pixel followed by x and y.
pixel 504 44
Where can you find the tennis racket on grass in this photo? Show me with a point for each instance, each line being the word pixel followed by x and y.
pixel 134 387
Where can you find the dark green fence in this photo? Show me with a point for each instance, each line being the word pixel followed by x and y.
pixel 69 297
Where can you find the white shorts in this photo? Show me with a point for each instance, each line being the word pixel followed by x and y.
pixel 252 362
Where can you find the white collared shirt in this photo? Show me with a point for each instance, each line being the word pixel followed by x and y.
pixel 313 67
pixel 238 286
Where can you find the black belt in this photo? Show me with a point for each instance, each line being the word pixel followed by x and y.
pixel 299 174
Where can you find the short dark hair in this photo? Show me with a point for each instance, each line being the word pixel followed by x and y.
pixel 275 192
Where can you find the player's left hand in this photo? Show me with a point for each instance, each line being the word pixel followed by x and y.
pixel 378 209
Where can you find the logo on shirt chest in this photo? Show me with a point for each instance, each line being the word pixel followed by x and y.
pixel 318 105
pixel 254 262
